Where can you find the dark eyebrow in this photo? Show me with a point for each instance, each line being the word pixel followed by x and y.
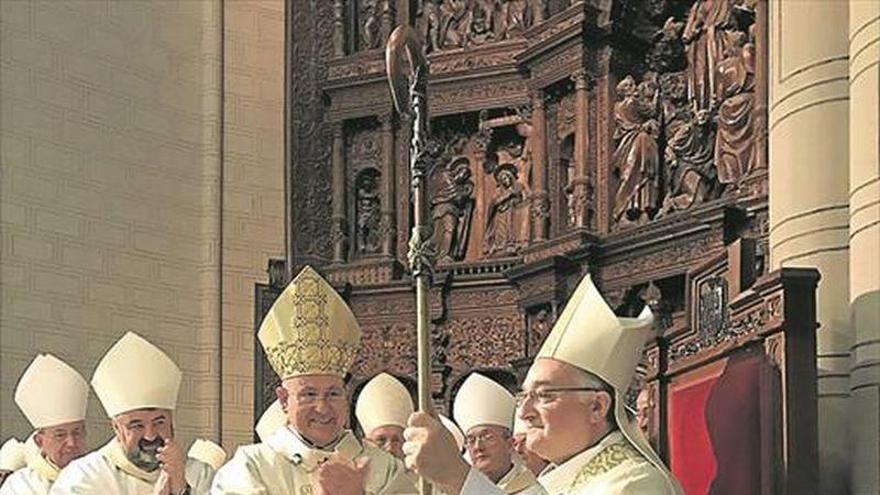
pixel 135 422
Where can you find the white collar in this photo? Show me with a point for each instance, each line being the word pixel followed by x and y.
pixel 291 445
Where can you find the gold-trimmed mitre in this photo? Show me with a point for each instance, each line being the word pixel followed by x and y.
pixel 310 330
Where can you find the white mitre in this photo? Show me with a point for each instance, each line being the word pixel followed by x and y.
pixel 589 336
pixel 273 418
pixel 208 452
pixel 454 429
pixel 135 374
pixel 383 401
pixel 482 401
pixel 13 455
pixel 51 393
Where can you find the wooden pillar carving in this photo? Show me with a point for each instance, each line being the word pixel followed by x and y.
pixel 579 200
pixel 338 28
pixel 339 226
pixel 540 202
pixel 761 85
pixel 387 230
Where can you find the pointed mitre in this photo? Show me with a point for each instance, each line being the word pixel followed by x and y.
pixel 383 401
pixel 272 419
pixel 589 336
pixel 310 330
pixel 482 401
pixel 454 429
pixel 208 452
pixel 50 392
pixel 135 374
pixel 12 455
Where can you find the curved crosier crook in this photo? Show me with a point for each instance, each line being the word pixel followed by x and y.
pixel 404 63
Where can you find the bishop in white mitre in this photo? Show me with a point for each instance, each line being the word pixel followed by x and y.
pixel 573 407
pixel 484 410
pixel 311 338
pixel 383 408
pixel 138 385
pixel 53 397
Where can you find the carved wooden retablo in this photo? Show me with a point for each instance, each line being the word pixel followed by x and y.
pixel 622 138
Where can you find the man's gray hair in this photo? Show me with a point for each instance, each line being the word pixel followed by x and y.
pixel 592 381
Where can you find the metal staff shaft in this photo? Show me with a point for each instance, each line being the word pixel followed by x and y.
pixel 409 91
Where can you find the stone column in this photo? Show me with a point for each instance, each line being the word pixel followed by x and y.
pixel 809 189
pixel 388 200
pixel 338 28
pixel 339 227
pixel 580 180
pixel 864 243
pixel 540 202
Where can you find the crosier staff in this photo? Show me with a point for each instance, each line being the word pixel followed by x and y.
pixel 408 77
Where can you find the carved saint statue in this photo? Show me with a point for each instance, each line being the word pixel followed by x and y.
pixel 704 39
pixel 481 22
pixel 691 176
pixel 636 160
pixel 429 25
pixel 454 23
pixel 506 214
pixel 370 13
pixel 368 212
pixel 452 207
pixel 735 144
pixel 516 17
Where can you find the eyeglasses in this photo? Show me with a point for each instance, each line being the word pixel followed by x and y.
pixel 311 397
pixel 486 437
pixel 546 395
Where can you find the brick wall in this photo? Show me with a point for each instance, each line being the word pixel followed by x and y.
pixel 253 201
pixel 110 194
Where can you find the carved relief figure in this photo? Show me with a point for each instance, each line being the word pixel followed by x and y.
pixel 691 176
pixel 368 212
pixel 516 17
pixel 481 22
pixel 734 145
pixel 704 38
pixel 452 207
pixel 454 22
pixel 370 13
pixel 636 160
pixel 429 24
pixel 505 214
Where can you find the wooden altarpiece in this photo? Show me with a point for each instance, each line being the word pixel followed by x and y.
pixel 622 138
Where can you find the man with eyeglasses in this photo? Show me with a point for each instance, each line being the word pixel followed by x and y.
pixel 382 409
pixel 53 397
pixel 310 337
pixel 138 384
pixel 572 403
pixel 484 410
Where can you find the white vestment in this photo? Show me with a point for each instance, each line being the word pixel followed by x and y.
pixel 283 463
pixel 520 481
pixel 35 478
pixel 611 467
pixel 108 472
